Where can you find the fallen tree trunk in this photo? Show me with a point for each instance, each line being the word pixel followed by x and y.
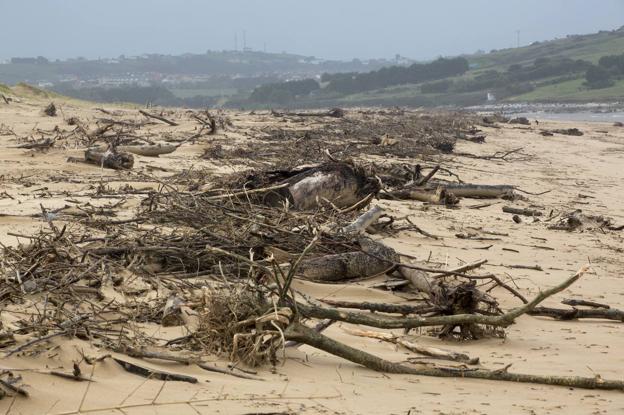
pixel 439 196
pixel 109 159
pixel 478 190
pixel 374 259
pixel 340 184
pixel 149 150
pixel 300 333
pixel 576 313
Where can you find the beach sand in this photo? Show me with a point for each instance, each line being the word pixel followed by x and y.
pixel 576 172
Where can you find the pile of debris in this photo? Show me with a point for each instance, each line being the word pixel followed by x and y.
pixel 220 261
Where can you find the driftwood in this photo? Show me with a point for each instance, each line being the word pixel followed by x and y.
pixel 159 118
pixel 334 113
pixel 568 131
pixel 149 150
pixel 374 259
pixel 577 220
pixel 415 347
pixel 439 196
pixel 479 190
pixel 364 221
pixel 50 110
pixel 340 184
pixel 520 211
pixel 299 332
pixel 576 313
pixel 109 159
pixel 381 307
pixel 392 322
pixel 153 374
pixel 42 144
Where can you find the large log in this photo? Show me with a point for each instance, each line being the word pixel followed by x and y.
pixel 149 150
pixel 109 159
pixel 478 190
pixel 374 259
pixel 341 184
pixel 439 196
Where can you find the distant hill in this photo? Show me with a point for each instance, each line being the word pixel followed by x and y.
pixel 548 71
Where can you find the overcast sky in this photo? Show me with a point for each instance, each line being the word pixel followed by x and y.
pixel 336 29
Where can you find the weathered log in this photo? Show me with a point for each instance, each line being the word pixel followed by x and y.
pixel 439 196
pixel 109 159
pixel 171 312
pixel 522 211
pixel 415 347
pixel 149 150
pixel 341 184
pixel 364 221
pixel 478 190
pixel 374 259
pixel 576 313
pixel 334 113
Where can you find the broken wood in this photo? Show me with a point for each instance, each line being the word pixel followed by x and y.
pixel 341 184
pixel 152 373
pixel 109 159
pixel 415 347
pixel 374 259
pixel 439 196
pixel 578 313
pixel 480 191
pixel 362 223
pixel 391 322
pixel 334 113
pixel 149 150
pixel 159 118
pixel 522 211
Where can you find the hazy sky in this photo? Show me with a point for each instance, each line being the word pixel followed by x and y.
pixel 337 29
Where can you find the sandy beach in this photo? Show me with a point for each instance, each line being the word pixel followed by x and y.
pixel 560 173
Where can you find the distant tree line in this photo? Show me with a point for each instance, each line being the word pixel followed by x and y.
pixel 283 92
pixel 609 69
pixel 350 83
pixel 517 79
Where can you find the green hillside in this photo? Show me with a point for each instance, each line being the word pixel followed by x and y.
pixel 556 70
pixel 586 47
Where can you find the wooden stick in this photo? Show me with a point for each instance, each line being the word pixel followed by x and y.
pixel 159 118
pixel 153 374
pixel 381 307
pixel 415 347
